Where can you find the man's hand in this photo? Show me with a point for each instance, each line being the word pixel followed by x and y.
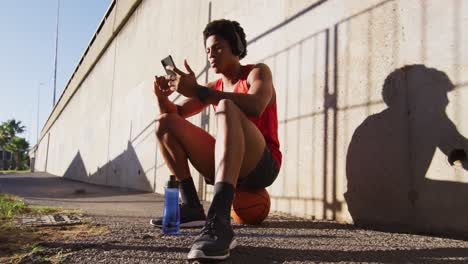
pixel 161 87
pixel 162 91
pixel 184 83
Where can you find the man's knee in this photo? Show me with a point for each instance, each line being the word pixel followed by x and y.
pixel 163 123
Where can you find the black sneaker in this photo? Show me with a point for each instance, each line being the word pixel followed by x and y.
pixel 189 217
pixel 214 242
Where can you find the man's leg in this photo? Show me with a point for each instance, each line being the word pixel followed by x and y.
pixel 180 141
pixel 239 144
pixel 239 147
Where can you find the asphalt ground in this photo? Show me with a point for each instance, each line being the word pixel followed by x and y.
pixel 280 239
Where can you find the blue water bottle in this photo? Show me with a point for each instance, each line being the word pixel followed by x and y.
pixel 171 217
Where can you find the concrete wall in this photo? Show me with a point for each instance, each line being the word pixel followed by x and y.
pixel 370 104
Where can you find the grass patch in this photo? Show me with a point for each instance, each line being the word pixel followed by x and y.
pixel 10 206
pixel 18 241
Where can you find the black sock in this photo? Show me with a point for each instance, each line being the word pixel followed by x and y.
pixel 222 200
pixel 188 193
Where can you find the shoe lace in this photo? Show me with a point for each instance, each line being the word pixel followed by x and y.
pixel 210 226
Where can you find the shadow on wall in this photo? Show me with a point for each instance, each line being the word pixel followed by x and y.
pixel 390 153
pixel 123 171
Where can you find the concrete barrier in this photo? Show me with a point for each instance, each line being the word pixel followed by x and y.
pixel 370 104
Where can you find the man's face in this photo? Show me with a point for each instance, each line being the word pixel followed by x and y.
pixel 219 53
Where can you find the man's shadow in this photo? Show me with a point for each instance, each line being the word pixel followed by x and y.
pixel 390 153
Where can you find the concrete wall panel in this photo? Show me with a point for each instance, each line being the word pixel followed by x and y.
pixel 370 104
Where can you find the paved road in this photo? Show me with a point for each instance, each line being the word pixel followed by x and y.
pixel 280 239
pixel 46 189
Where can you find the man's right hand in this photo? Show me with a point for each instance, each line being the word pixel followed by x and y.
pixel 162 91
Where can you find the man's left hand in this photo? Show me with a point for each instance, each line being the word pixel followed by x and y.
pixel 184 83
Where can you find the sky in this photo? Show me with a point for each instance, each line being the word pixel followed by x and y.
pixel 27 49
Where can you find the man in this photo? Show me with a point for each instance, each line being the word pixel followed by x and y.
pixel 245 152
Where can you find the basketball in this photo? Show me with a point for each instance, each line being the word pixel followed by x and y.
pixel 250 207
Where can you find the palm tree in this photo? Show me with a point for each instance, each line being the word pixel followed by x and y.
pixel 15 126
pixel 10 129
pixel 17 146
pixel 10 142
pixel 4 134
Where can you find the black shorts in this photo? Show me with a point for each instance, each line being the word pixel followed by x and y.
pixel 262 176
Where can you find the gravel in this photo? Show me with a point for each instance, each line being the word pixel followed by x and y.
pixel 279 240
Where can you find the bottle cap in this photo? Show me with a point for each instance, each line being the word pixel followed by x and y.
pixel 172 182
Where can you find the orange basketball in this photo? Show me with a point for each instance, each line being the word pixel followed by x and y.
pixel 250 207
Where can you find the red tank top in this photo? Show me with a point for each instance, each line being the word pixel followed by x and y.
pixel 267 123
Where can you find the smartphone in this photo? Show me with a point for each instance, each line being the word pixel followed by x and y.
pixel 168 61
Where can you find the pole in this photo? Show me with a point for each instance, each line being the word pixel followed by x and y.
pixel 56 49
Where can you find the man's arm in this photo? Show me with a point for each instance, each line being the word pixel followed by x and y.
pixel 192 106
pixel 252 104
pixel 256 100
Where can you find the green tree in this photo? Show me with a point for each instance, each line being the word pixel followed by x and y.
pixel 10 129
pixel 17 146
pixel 4 135
pixel 12 143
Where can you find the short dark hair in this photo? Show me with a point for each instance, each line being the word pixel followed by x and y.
pixel 231 31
